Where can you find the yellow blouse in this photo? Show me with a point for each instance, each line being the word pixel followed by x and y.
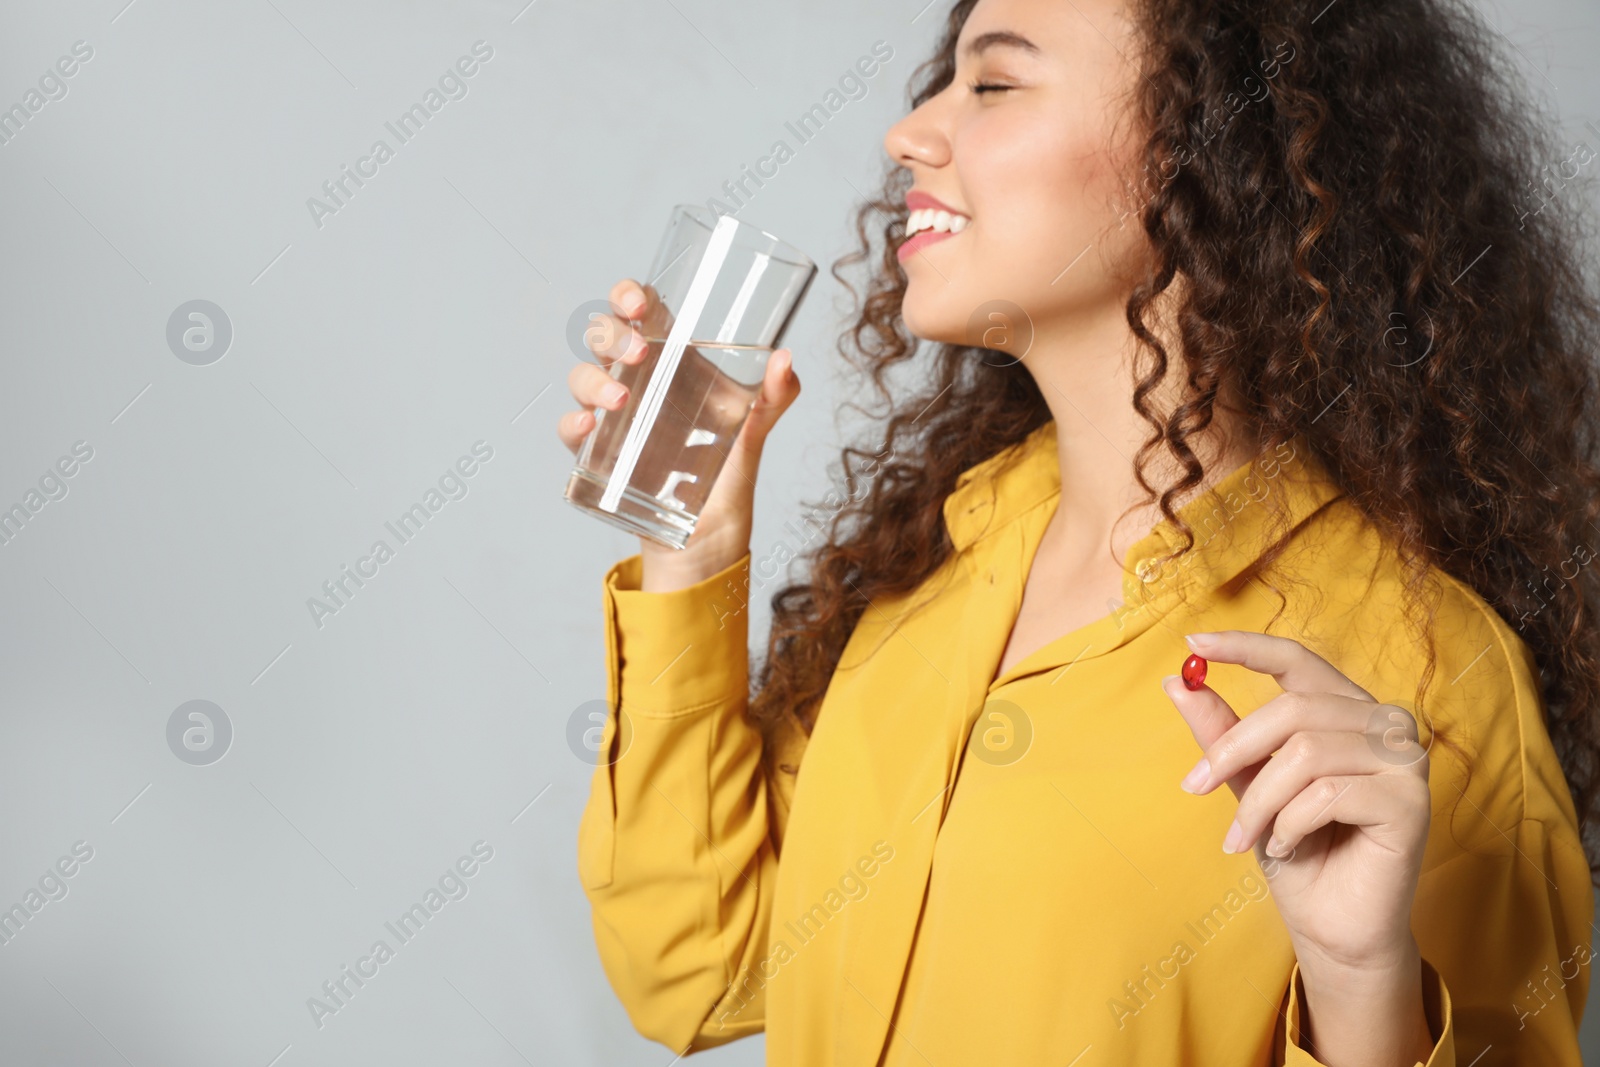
pixel 981 870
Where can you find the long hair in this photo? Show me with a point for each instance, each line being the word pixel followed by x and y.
pixel 1347 192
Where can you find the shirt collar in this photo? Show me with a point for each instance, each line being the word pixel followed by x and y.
pixel 1233 522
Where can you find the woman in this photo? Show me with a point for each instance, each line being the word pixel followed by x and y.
pixel 1245 327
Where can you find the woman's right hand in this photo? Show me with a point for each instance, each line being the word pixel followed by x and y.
pixel 722 533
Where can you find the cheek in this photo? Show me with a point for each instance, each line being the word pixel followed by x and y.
pixel 1042 184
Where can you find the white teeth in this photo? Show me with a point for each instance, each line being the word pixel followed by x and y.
pixel 938 221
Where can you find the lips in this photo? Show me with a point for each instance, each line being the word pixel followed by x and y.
pixel 917 200
pixel 919 242
pixel 920 205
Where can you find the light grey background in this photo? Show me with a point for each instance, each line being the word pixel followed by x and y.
pixel 368 354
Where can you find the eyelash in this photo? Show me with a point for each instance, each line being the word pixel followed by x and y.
pixel 979 88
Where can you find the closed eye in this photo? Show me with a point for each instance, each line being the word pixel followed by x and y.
pixel 979 88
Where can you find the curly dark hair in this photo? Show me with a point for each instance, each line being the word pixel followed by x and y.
pixel 1399 307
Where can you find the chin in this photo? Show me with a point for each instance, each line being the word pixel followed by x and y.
pixel 934 316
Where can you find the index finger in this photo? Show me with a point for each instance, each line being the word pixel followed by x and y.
pixel 641 304
pixel 628 298
pixel 1292 665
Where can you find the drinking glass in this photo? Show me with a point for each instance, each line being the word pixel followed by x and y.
pixel 728 291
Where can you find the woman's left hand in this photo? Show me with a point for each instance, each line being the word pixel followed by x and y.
pixel 1334 777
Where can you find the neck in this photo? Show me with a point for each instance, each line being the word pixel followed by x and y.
pixel 1084 370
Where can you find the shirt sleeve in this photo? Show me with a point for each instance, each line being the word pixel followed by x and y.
pixel 678 841
pixel 1435 1003
pixel 1505 939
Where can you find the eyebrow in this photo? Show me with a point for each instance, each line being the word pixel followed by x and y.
pixel 999 39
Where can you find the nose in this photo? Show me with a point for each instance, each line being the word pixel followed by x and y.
pixel 918 138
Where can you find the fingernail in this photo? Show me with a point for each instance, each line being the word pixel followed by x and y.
pixel 1199 642
pixel 615 393
pixel 1274 847
pixel 1197 777
pixel 1235 836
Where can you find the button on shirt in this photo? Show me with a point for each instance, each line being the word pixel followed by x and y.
pixel 974 869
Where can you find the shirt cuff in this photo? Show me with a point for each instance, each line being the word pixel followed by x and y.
pixel 1435 1004
pixel 671 653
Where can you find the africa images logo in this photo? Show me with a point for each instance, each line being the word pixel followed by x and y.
pixel 452 86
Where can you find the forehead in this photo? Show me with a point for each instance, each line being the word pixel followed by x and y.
pixel 1056 29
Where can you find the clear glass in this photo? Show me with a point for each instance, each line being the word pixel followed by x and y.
pixel 729 290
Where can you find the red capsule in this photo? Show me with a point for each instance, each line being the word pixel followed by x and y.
pixel 1194 672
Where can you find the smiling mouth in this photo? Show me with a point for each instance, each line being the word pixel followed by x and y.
pixel 921 238
pixel 935 220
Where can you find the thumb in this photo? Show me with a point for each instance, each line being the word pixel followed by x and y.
pixel 1209 717
pixel 779 388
